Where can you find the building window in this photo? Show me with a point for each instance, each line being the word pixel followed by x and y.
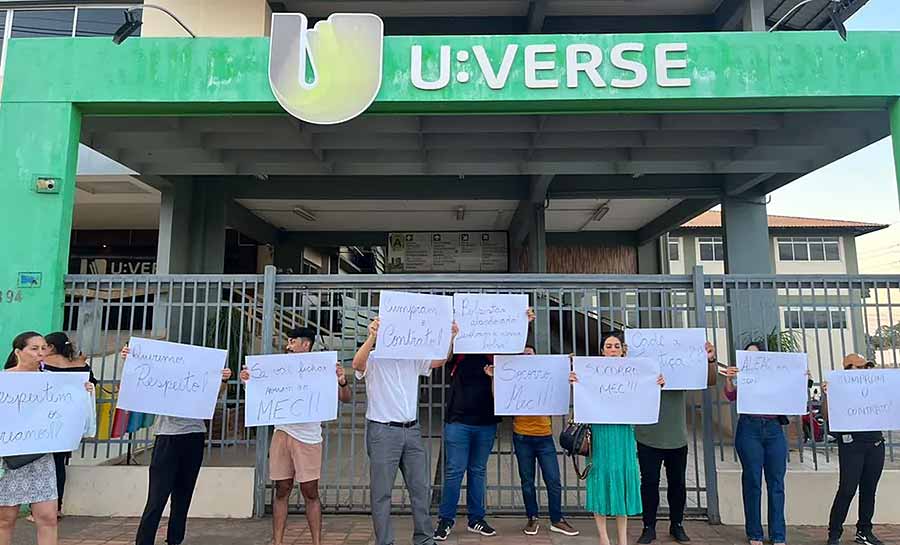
pixel 809 249
pixel 815 319
pixel 674 249
pixel 716 319
pixel 308 267
pixel 35 23
pixel 101 21
pixel 711 249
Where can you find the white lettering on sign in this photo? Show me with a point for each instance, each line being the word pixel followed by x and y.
pixel 42 412
pixel 864 400
pixel 531 385
pixel 171 379
pixel 540 68
pixel 291 389
pixel 771 383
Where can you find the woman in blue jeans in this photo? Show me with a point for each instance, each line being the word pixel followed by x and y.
pixel 762 449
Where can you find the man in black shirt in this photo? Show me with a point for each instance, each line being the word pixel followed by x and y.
pixel 861 460
pixel 470 427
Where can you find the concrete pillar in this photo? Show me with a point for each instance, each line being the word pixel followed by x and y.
pixel 207 232
pixel 753 312
pixel 754 19
pixel 650 261
pixel 38 140
pixel 173 251
pixel 537 240
pixel 288 257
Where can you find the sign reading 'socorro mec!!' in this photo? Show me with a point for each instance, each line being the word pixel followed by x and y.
pixel 334 71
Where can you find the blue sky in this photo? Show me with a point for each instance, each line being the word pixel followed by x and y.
pixel 861 186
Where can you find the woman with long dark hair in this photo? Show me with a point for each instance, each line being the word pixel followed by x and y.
pixel 62 357
pixel 762 448
pixel 614 481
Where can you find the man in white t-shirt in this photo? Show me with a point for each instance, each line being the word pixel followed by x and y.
pixel 295 454
pixel 393 436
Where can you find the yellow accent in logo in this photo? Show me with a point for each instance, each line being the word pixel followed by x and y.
pixel 344 53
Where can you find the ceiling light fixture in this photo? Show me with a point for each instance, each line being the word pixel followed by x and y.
pixel 305 214
pixel 598 215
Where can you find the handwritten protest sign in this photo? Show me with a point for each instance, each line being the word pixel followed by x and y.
pixel 171 379
pixel 531 385
pixel 490 323
pixel 414 325
pixel 42 412
pixel 291 389
pixel 616 390
pixel 772 383
pixel 681 354
pixel 864 400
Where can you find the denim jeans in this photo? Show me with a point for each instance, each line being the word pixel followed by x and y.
pixel 531 449
pixel 762 448
pixel 466 451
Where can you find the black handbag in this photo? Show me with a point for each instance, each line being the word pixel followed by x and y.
pixel 21 460
pixel 575 441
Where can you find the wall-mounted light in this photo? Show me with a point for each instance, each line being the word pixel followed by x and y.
pixel 132 23
pixel 833 15
pixel 304 213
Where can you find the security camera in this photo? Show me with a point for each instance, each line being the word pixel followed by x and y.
pixel 46 185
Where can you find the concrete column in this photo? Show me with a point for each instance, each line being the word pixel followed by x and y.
pixel 650 261
pixel 753 312
pixel 754 19
pixel 537 240
pixel 288 257
pixel 173 251
pixel 207 232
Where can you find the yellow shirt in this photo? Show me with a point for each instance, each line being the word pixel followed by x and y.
pixel 533 426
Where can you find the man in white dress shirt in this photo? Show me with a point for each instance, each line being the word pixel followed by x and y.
pixel 393 436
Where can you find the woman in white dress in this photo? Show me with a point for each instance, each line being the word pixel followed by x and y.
pixel 33 483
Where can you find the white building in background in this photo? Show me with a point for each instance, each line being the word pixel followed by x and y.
pixel 826 323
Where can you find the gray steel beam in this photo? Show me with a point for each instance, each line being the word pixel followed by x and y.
pixel 673 218
pixel 246 222
pixel 325 239
pixel 537 11
pixel 380 188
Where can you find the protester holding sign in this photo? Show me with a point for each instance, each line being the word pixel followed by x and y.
pixel 861 461
pixel 295 453
pixel 29 479
pixel 666 442
pixel 174 468
pixel 761 447
pixel 533 443
pixel 613 483
pixel 470 427
pixel 393 435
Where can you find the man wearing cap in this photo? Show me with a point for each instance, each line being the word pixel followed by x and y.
pixel 861 461
pixel 295 454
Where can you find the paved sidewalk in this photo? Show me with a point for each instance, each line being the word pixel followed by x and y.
pixel 357 530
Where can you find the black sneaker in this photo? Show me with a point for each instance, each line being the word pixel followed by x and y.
pixel 832 540
pixel 443 530
pixel 678 533
pixel 482 527
pixel 648 535
pixel 867 538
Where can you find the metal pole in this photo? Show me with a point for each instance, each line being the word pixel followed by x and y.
pixel 262 432
pixel 709 448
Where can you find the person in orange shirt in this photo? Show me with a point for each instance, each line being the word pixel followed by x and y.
pixel 533 442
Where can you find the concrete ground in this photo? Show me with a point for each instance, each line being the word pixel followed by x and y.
pixel 357 530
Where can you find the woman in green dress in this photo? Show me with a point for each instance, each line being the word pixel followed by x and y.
pixel 614 481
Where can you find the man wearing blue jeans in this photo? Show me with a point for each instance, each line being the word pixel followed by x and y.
pixel 469 431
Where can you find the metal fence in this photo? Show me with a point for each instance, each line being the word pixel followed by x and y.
pixel 824 316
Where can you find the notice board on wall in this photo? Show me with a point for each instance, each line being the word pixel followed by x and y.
pixel 450 251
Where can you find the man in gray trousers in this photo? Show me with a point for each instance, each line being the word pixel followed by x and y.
pixel 393 436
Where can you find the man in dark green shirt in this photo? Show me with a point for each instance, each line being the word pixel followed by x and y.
pixel 666 443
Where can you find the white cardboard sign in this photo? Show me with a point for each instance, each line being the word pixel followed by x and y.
pixel 864 400
pixel 291 389
pixel 616 390
pixel 42 412
pixel 414 326
pixel 531 385
pixel 681 354
pixel 490 323
pixel 772 383
pixel 171 379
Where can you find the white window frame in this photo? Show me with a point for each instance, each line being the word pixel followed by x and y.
pixel 715 240
pixel 806 240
